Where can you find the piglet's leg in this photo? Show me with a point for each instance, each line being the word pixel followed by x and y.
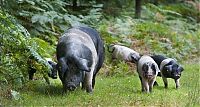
pixel 141 84
pixel 177 83
pixel 145 85
pixel 155 83
pixel 165 82
pixel 151 83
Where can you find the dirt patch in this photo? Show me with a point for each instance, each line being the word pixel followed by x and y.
pixel 140 47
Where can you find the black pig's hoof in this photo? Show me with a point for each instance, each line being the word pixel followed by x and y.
pixel 89 89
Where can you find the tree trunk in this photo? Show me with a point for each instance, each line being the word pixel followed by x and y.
pixel 74 4
pixel 155 2
pixel 138 4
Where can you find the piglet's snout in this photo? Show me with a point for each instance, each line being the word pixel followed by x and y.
pixel 177 76
pixel 148 74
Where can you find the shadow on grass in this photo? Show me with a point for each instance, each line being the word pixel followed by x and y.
pixel 41 87
pixel 159 87
pixel 53 89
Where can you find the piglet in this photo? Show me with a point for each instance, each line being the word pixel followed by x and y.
pixel 124 53
pixel 169 69
pixel 147 70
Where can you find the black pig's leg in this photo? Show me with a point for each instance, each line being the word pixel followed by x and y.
pixel 64 88
pixel 93 82
pixel 88 81
pixel 84 81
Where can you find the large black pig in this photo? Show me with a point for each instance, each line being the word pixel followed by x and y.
pixel 80 55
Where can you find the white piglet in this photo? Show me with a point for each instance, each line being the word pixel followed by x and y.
pixel 124 53
pixel 147 70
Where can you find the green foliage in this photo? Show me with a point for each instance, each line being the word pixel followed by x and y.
pixel 151 11
pixel 17 49
pixel 162 31
pixel 45 49
pixel 187 10
pixel 13 42
pixel 48 17
pixel 117 68
pixel 108 37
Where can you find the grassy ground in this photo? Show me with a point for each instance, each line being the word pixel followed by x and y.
pixel 114 91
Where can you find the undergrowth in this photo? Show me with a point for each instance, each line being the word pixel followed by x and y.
pixel 113 91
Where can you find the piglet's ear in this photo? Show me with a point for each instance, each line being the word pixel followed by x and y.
pixel 153 67
pixel 145 67
pixel 134 58
pixel 82 64
pixel 180 68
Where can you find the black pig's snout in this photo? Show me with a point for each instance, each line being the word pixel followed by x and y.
pixel 71 87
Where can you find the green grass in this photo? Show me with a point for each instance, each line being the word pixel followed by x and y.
pixel 114 91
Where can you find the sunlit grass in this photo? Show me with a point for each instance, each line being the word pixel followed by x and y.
pixel 114 91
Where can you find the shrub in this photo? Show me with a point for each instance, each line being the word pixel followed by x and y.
pixel 16 52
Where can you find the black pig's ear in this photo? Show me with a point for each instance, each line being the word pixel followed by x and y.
pixel 82 64
pixel 62 66
pixel 181 68
pixel 145 67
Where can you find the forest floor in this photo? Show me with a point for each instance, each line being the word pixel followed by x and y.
pixel 114 91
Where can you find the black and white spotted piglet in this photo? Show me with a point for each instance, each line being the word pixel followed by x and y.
pixel 147 70
pixel 53 67
pixel 124 53
pixel 169 68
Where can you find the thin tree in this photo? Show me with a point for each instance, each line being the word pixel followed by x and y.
pixel 74 3
pixel 138 8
